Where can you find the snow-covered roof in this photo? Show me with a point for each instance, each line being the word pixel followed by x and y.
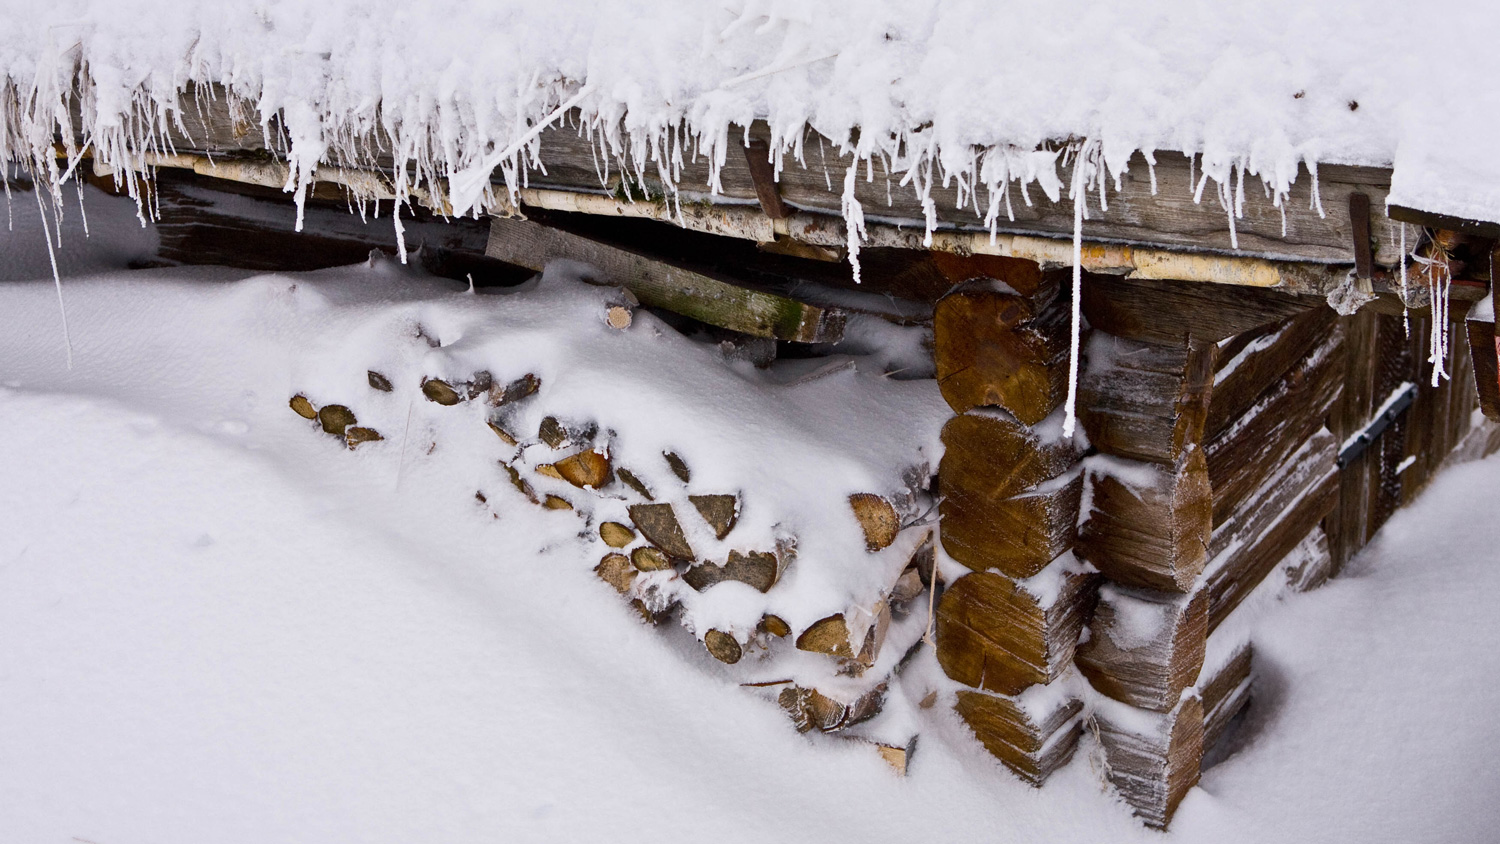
pixel 1258 86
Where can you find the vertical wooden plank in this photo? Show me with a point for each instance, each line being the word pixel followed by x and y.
pixel 1345 526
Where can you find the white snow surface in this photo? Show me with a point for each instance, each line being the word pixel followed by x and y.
pixel 221 626
pixel 963 89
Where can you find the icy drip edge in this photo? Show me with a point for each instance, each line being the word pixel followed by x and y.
pixel 447 160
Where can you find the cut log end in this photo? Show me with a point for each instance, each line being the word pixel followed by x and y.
pixel 616 535
pixel 378 381
pixel 827 636
pixel 722 646
pixel 336 419
pixel 440 392
pixel 877 518
pixel 302 407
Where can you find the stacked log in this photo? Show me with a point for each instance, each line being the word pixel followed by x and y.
pixel 1011 484
pixel 1215 467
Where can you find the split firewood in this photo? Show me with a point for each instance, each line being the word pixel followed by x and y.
pixel 897 756
pixel 616 570
pixel 877 518
pixel 1148 524
pixel 302 407
pixel 1033 744
pixel 908 586
pixel 659 525
pixel 481 383
pixel 648 558
pixel 356 435
pixel 773 625
pixel 1270 523
pixel 1250 363
pixel 616 535
pixel 525 386
pixel 552 432
pixel 679 466
pixel 519 482
pixel 498 426
pixel 827 636
pixel 758 569
pixel 557 502
pixel 440 391
pixel 1226 692
pixel 720 511
pixel 548 470
pixel 1018 535
pixel 1153 760
pixel 378 381
pixel 1145 647
pixel 1003 636
pixel 996 346
pixel 1145 401
pixel 585 470
pixel 635 483
pixel 810 709
pixel 335 419
pixel 723 646
pixel 880 624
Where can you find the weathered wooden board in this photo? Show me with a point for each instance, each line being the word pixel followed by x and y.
pixel 1148 524
pixel 1173 312
pixel 1154 759
pixel 663 285
pixel 1247 369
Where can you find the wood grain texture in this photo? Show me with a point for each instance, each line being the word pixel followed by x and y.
pixel 1145 647
pixel 1146 401
pixel 1148 524
pixel 1173 312
pixel 1032 747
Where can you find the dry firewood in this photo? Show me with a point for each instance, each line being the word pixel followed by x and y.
pixel 827 636
pixel 440 392
pixel 548 470
pixel 635 483
pixel 1019 535
pixel 618 317
pixel 810 709
pixel 1003 636
pixel 552 432
pixel 304 408
pixel 679 466
pixel 898 757
pixel 356 435
pixel 481 383
pixel 877 518
pixel 1153 759
pixel 773 625
pixel 519 482
pixel 378 381
pixel 998 347
pixel 585 470
pixel 659 525
pixel 1148 524
pixel 335 419
pixel 992 456
pixel 1225 692
pixel 1145 647
pixel 498 426
pixel 557 502
pixel 616 535
pixel 908 585
pixel 1032 744
pixel 720 511
pixel 650 558
pixel 758 569
pixel 616 570
pixel 1145 401
pixel 523 387
pixel 723 646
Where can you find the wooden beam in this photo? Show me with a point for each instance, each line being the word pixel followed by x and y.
pixel 1434 220
pixel 662 285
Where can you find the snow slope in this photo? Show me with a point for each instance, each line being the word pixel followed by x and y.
pixel 971 86
pixel 220 626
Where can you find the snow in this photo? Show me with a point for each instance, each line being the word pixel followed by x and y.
pixel 221 625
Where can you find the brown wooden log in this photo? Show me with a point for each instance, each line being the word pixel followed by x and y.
pixel 1144 647
pixel 811 709
pixel 302 407
pixel 1248 368
pixel 720 511
pixel 1270 521
pixel 1019 535
pixel 1153 759
pixel 1173 312
pixel 1003 636
pixel 588 469
pixel 877 518
pixel 827 636
pixel 1148 524
pixel 658 523
pixel 999 345
pixel 724 647
pixel 1484 352
pixel 1146 401
pixel 1282 418
pixel 1226 692
pixel 758 569
pixel 616 535
pixel 1032 744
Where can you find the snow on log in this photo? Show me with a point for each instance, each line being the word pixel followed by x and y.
pixel 1032 734
pixel 1145 648
pixel 1152 759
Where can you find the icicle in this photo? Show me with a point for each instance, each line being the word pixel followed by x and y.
pixel 854 217
pixel 1405 309
pixel 56 276
pixel 1079 198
